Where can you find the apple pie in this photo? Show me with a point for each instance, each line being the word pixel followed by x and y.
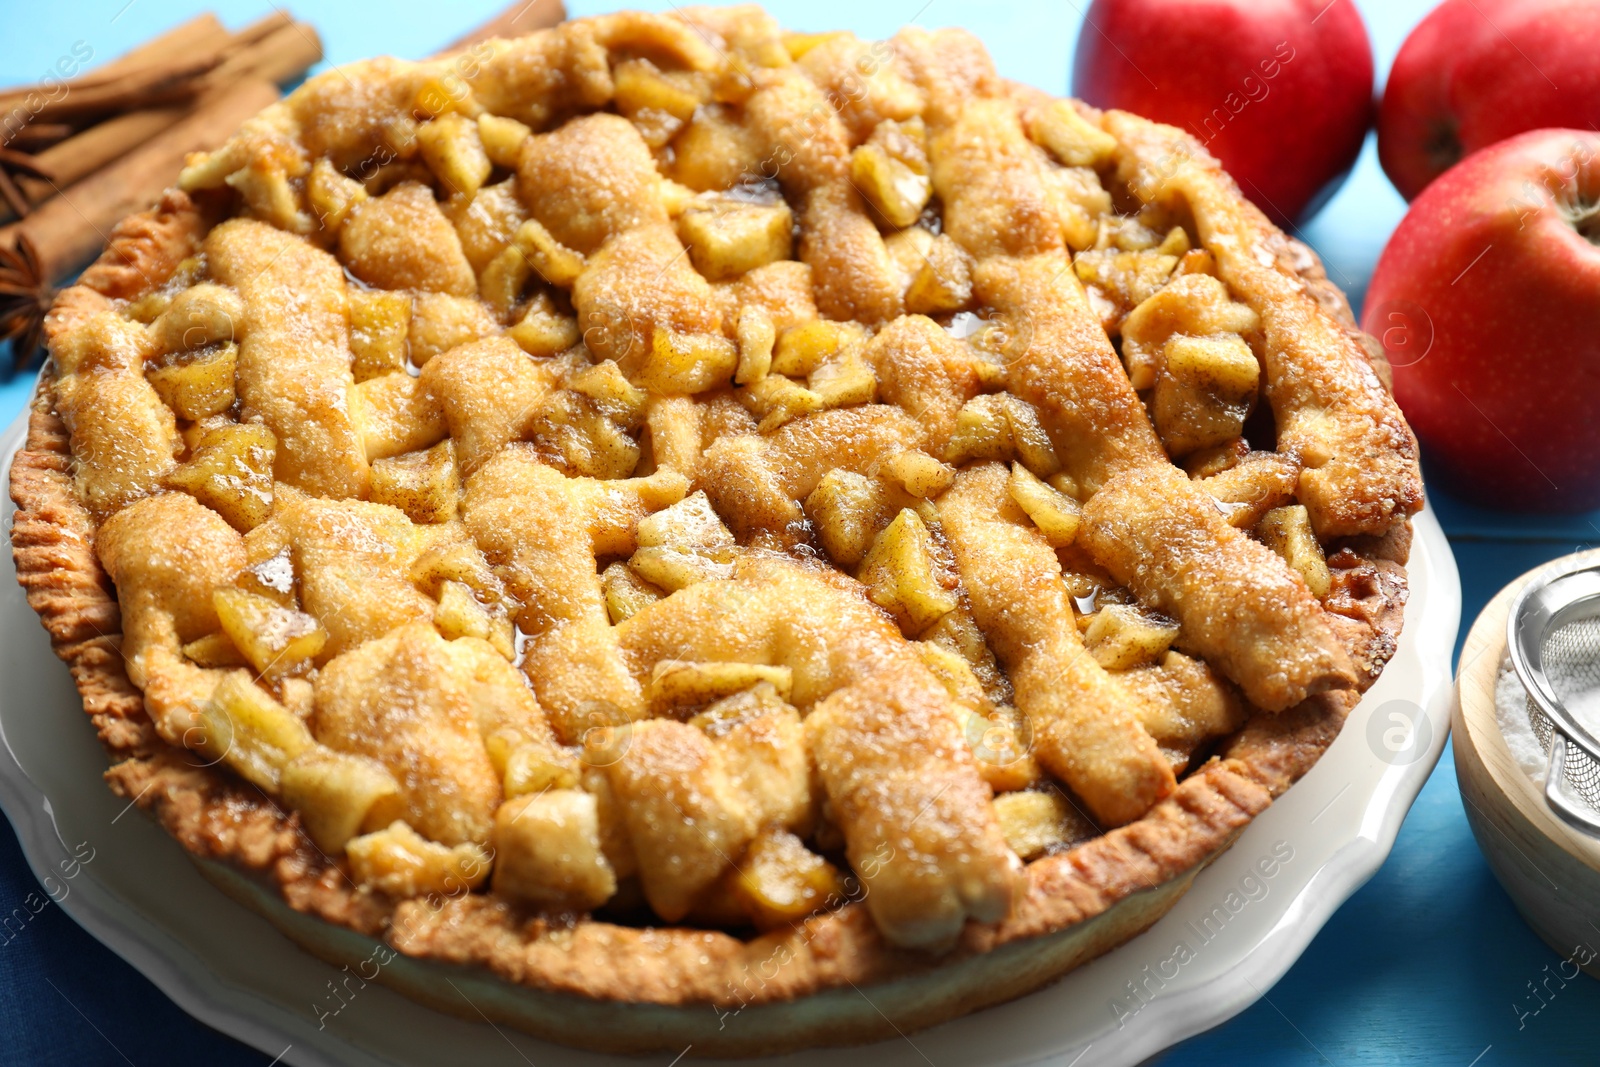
pixel 751 539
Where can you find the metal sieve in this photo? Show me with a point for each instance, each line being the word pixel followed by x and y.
pixel 1553 636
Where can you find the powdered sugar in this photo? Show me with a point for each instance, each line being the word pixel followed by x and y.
pixel 1574 683
pixel 1511 713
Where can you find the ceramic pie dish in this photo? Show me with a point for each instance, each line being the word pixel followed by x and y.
pixel 703 521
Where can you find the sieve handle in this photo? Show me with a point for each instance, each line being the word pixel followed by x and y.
pixel 1580 816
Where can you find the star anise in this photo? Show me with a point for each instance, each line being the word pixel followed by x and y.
pixel 25 295
pixel 12 163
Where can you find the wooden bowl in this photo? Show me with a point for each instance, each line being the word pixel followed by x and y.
pixel 1550 869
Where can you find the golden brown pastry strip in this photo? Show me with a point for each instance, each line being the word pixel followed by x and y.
pixel 855 439
pixel 809 148
pixel 294 355
pixel 1086 727
pixel 639 281
pixel 352 560
pixel 1062 363
pixel 949 66
pixel 1184 704
pixel 167 554
pixel 865 81
pixel 755 482
pixel 123 437
pixel 589 180
pixel 903 785
pixel 1239 606
pixel 401 240
pixel 1359 459
pixel 543 531
pixel 406 700
pixel 686 819
pixel 488 389
pixel 987 173
pixel 539 76
pixel 925 372
pixel 915 812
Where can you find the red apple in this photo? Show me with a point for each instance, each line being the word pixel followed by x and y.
pixel 1487 300
pixel 1478 71
pixel 1279 90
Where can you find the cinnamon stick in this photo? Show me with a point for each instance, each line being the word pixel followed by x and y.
pixel 69 229
pixel 40 135
pixel 260 29
pixel 199 33
pixel 275 50
pixel 156 82
pixel 160 71
pixel 84 153
pixel 203 33
pixel 285 52
pixel 122 164
pixel 521 18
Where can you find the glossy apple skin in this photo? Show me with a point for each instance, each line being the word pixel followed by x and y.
pixel 1478 71
pixel 1279 90
pixel 1487 299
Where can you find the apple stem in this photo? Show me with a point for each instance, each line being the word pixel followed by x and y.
pixel 1585 218
pixel 1443 145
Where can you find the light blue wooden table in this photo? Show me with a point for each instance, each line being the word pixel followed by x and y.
pixel 1428 964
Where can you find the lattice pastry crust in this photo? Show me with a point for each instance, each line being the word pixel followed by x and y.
pixel 664 502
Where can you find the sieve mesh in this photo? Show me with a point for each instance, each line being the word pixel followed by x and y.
pixel 1571 655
